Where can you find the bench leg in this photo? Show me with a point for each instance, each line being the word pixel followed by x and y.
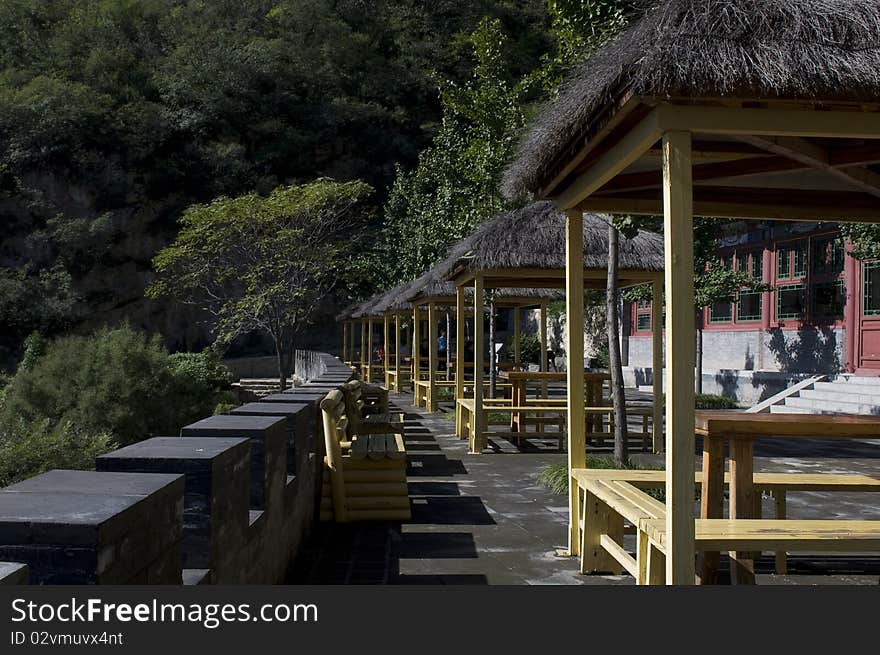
pixel 599 519
pixel 642 547
pixel 656 573
pixel 781 557
pixel 711 503
pixel 742 505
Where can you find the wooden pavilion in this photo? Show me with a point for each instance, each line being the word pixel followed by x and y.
pixel 526 248
pixel 726 108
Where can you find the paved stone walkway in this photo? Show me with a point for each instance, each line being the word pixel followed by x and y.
pixel 486 519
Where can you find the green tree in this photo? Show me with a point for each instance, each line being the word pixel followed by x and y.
pixel 256 263
pixel 454 187
pixel 118 382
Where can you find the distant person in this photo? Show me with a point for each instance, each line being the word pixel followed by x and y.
pixel 380 354
pixel 441 349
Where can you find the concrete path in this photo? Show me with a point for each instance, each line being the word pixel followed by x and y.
pixel 486 519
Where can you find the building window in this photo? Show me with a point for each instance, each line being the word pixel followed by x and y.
pixel 790 301
pixel 828 256
pixel 643 316
pixel 791 260
pixel 828 299
pixel 751 263
pixel 871 288
pixel 749 306
pixel 721 312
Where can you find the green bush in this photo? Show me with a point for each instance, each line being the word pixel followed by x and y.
pixel 555 476
pixel 711 401
pixel 31 448
pixel 529 349
pixel 117 381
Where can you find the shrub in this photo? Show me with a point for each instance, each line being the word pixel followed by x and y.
pixel 529 349
pixel 711 401
pixel 31 448
pixel 119 382
pixel 555 476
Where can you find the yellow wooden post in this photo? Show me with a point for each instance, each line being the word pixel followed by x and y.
pixel 386 325
pixel 459 357
pixel 478 425
pixel 678 234
pixel 363 350
pixel 516 328
pixel 543 332
pixel 344 340
pixel 351 342
pixel 574 349
pixel 369 350
pixel 432 358
pixel 657 362
pixel 416 351
pixel 396 352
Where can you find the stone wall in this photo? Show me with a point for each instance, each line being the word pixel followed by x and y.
pixel 229 501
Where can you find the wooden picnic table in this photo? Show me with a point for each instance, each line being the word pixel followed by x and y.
pixel 519 381
pixel 741 430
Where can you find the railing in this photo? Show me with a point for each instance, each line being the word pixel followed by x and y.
pixel 308 364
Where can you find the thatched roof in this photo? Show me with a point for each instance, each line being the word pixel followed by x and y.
pixel 792 49
pixel 534 237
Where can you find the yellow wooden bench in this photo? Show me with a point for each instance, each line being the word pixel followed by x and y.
pixel 609 497
pixel 369 419
pixel 365 477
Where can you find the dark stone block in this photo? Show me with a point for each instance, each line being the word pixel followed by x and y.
pixel 13 573
pixel 216 496
pixel 268 441
pixel 87 527
pixel 299 417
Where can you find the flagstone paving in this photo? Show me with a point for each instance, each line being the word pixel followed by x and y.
pixel 486 519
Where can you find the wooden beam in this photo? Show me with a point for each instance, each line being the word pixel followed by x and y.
pixel 678 232
pixel 751 203
pixel 630 147
pixel 416 349
pixel 478 422
pixel 769 122
pixel 657 362
pixel 574 353
pixel 817 157
pixel 730 150
pixel 704 172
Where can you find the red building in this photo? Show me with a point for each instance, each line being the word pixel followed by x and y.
pixel 823 315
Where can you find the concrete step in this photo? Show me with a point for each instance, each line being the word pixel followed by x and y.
pixel 857 379
pixel 830 407
pixel 850 387
pixel 783 409
pixel 840 394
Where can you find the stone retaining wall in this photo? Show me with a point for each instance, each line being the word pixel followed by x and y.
pixel 229 501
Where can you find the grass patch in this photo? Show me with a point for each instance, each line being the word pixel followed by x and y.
pixel 555 476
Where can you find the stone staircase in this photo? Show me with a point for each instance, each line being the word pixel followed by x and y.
pixel 844 394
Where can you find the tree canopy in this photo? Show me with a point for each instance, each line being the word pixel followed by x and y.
pixel 264 263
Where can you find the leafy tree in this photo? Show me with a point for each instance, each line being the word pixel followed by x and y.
pixel 257 263
pixel 864 237
pixel 116 382
pixel 455 185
